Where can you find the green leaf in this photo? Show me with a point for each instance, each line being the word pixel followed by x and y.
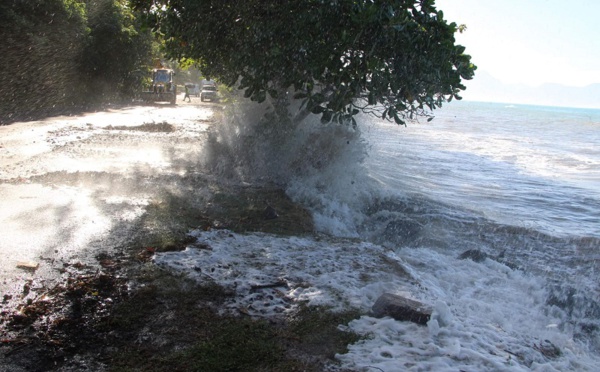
pixel 397 119
pixel 326 117
pixel 372 99
pixel 317 109
pixel 304 101
pixel 260 96
pixel 318 98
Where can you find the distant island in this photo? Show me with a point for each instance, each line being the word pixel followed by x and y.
pixel 486 88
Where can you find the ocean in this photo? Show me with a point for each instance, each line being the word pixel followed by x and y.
pixel 519 185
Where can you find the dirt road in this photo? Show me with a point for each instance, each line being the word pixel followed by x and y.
pixel 71 187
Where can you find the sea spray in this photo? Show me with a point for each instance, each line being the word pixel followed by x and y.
pixel 319 165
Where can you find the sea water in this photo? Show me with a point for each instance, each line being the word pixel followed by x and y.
pixel 527 166
pixel 520 185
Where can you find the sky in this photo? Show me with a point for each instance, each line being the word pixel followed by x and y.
pixel 530 42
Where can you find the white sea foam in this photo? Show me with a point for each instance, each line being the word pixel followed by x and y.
pixel 271 275
pixel 487 317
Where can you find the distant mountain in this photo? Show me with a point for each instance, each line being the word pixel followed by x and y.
pixel 486 88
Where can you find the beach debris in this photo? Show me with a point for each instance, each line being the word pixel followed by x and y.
pixel 401 308
pixel 28 265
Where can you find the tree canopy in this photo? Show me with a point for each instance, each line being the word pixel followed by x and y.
pixel 397 59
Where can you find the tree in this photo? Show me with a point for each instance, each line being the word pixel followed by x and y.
pixel 396 59
pixel 117 54
pixel 63 54
pixel 40 44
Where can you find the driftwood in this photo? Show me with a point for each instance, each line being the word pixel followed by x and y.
pixel 28 265
pixel 276 284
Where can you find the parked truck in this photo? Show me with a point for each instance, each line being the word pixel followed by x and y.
pixel 163 89
pixel 208 91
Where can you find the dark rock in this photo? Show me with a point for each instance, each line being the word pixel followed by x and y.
pixel 548 349
pixel 401 308
pixel 402 231
pixel 270 213
pixel 473 254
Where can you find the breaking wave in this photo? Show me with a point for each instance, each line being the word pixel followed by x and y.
pixel 394 191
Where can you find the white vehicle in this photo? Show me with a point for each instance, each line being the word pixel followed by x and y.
pixel 209 92
pixel 207 82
